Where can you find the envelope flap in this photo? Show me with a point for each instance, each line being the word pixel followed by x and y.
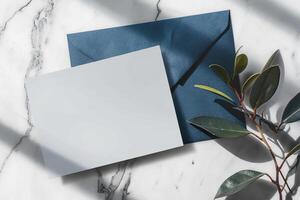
pixel 182 40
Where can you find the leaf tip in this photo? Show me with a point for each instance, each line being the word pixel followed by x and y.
pixel 219 195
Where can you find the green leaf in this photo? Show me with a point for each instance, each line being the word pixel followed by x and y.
pixel 249 81
pixel 215 91
pixel 221 72
pixel 273 60
pixel 264 86
pixel 294 150
pixel 291 112
pixel 241 62
pixel 237 182
pixel 219 127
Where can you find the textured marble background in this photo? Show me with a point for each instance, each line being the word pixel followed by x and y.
pixel 33 42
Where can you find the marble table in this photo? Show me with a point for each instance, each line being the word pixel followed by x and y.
pixel 33 42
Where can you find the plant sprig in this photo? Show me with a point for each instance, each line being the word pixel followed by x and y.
pixel 257 90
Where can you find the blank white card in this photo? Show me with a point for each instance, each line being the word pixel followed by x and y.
pixel 104 112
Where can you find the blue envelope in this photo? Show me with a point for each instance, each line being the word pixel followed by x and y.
pixel 188 45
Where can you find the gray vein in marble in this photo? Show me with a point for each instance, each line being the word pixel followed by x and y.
pixel 3 164
pixel 125 192
pixel 20 9
pixel 110 189
pixel 158 10
pixel 39 22
pixel 36 63
pixel 37 38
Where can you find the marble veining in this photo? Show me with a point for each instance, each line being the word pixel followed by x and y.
pixel 5 160
pixel 115 181
pixel 38 39
pixel 33 42
pixel 41 19
pixel 158 10
pixel 3 27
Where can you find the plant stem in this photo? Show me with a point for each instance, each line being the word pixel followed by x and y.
pixel 262 138
pixel 256 136
pixel 273 157
pixel 252 116
pixel 272 180
pixel 285 182
pixel 284 178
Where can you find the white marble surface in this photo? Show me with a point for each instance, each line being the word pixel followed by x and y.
pixel 33 42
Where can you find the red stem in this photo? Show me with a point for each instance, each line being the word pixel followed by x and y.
pixel 263 139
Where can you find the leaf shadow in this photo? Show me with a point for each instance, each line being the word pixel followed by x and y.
pixel 295 187
pixel 247 148
pixel 259 190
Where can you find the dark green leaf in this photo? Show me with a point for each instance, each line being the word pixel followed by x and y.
pixel 291 112
pixel 219 127
pixel 241 62
pixel 249 81
pixel 237 182
pixel 273 60
pixel 294 150
pixel 221 72
pixel 264 86
pixel 215 91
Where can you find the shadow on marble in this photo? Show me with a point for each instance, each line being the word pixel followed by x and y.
pixel 246 148
pixel 275 13
pixel 13 139
pixel 259 190
pixel 121 9
pixel 31 150
pixel 296 185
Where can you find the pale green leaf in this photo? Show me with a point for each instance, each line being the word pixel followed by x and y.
pixel 213 90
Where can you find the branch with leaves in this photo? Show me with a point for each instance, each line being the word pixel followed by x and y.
pixel 251 95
